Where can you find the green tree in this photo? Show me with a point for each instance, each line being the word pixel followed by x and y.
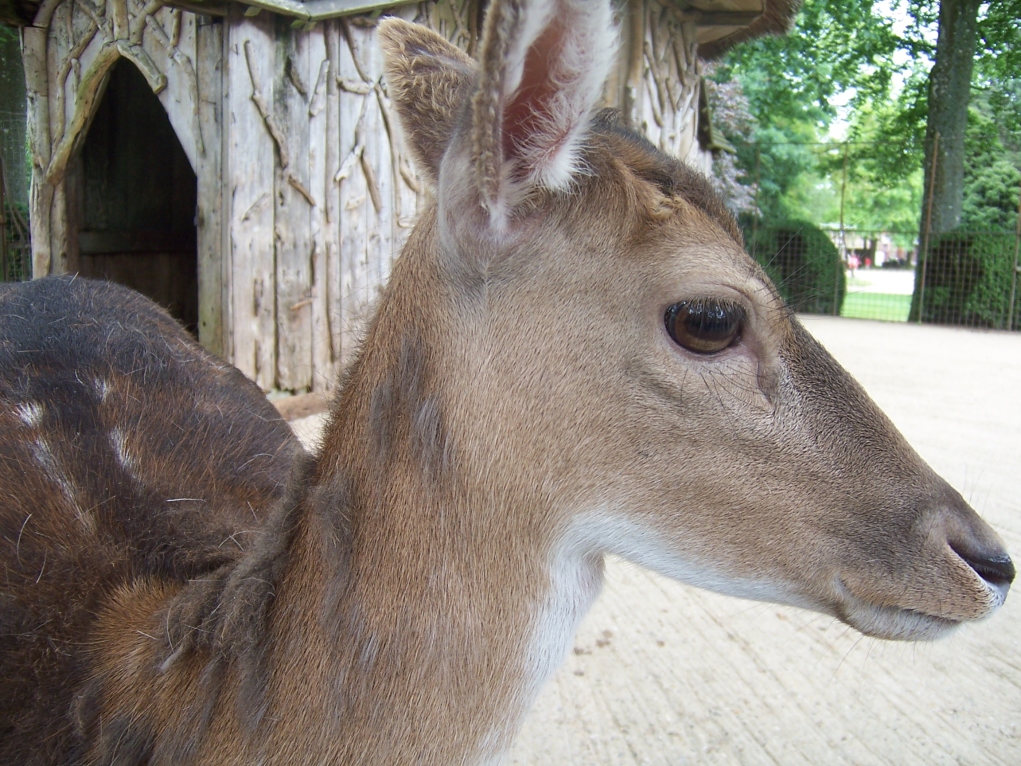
pixel 991 176
pixel 973 39
pixel 879 64
pixel 792 85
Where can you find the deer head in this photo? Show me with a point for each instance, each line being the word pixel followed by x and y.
pixel 607 354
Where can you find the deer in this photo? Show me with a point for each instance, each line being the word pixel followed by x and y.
pixel 129 452
pixel 573 357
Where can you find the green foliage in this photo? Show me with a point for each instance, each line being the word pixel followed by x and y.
pixel 991 176
pixel 812 197
pixel 877 62
pixel 778 158
pixel 999 51
pixel 885 203
pixel 991 197
pixel 835 46
pixel 802 262
pixel 968 280
pixel 792 84
pixel 895 127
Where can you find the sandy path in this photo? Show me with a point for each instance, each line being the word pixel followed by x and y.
pixel 666 674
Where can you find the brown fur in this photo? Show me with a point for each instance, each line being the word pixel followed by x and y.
pixel 207 456
pixel 517 411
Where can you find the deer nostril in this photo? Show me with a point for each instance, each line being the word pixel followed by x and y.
pixel 995 569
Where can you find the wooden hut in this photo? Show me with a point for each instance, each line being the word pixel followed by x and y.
pixel 239 163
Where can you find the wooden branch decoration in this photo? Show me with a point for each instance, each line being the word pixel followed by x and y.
pixel 354 156
pixel 395 149
pixel 121 28
pixel 45 13
pixel 136 55
pixel 182 59
pixel 372 183
pixel 256 206
pixel 37 87
pixel 295 77
pixel 345 28
pixel 355 86
pixel 658 99
pixel 408 174
pixel 97 16
pixel 300 188
pixel 318 100
pixel 657 116
pixel 260 103
pixel 175 27
pixel 61 79
pixel 85 98
pixel 142 20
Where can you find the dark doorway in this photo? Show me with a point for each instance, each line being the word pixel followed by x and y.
pixel 133 199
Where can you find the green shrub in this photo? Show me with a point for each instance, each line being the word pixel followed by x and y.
pixel 803 263
pixel 968 280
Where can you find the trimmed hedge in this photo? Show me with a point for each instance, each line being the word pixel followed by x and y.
pixel 968 280
pixel 803 263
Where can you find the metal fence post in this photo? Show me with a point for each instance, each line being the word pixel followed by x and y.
pixel 755 201
pixel 843 240
pixel 1013 276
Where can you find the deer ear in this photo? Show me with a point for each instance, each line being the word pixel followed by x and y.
pixel 544 64
pixel 429 81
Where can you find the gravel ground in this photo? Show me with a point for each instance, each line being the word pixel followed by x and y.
pixel 663 673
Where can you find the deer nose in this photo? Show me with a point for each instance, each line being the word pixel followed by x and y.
pixel 995 567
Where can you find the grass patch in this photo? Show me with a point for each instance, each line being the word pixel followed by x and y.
pixel 883 306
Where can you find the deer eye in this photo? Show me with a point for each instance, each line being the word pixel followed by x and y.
pixel 705 326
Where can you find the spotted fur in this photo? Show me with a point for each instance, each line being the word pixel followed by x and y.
pixel 130 456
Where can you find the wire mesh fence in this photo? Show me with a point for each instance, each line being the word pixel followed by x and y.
pixel 970 278
pixel 877 257
pixel 15 240
pixel 965 278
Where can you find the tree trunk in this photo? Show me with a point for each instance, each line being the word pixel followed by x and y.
pixel 949 92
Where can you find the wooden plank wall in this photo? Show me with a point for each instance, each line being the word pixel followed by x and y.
pixel 250 175
pixel 666 106
pixel 319 193
pixel 305 194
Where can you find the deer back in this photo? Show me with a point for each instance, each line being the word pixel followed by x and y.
pixel 129 453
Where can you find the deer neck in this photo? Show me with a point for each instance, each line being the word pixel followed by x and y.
pixel 446 599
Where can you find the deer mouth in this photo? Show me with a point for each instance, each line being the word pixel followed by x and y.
pixel 893 623
pixel 986 592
